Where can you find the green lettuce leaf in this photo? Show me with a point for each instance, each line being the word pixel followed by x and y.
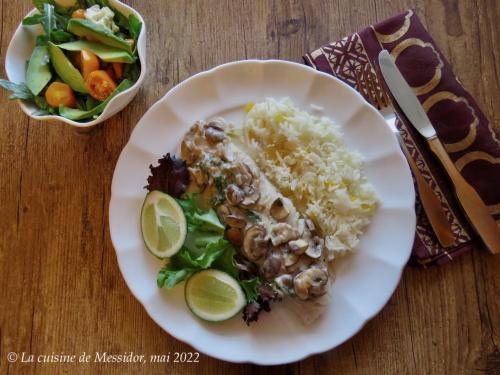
pixel 251 288
pixel 197 219
pixel 184 264
pixel 225 262
pixel 204 247
pixel 168 278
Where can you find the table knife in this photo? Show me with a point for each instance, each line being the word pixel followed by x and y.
pixel 430 202
pixel 472 204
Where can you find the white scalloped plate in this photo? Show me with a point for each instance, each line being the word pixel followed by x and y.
pixel 364 281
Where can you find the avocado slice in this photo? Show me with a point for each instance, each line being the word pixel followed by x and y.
pixel 96 32
pixel 104 52
pixel 76 114
pixel 68 73
pixel 38 73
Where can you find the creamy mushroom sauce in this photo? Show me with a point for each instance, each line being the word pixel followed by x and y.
pixel 262 223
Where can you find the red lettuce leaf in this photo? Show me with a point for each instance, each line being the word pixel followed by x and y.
pixel 266 294
pixel 170 176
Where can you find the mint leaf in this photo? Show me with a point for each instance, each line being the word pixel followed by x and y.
pixel 19 90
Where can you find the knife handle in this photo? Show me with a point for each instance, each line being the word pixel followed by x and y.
pixel 474 207
pixel 432 206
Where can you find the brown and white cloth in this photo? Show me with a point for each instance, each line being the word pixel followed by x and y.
pixel 464 130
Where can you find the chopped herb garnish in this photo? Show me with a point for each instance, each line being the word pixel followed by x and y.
pixel 252 215
pixel 220 183
pixel 217 200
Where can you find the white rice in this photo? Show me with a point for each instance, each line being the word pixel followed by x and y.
pixel 305 157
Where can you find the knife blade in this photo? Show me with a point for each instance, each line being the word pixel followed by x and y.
pixel 472 204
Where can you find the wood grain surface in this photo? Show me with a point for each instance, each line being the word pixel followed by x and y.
pixel 60 286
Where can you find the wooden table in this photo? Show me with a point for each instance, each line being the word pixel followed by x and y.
pixel 60 286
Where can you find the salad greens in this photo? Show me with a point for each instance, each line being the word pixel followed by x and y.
pixel 96 108
pixel 171 176
pixel 90 47
pixel 204 247
pixel 19 90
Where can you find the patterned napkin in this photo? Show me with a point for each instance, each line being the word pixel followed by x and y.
pixel 465 132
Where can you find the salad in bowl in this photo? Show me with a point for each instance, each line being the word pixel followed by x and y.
pixel 83 60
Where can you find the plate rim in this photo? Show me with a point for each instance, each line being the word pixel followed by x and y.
pixel 365 105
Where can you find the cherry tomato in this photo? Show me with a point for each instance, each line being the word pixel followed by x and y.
pixel 76 58
pixel 59 93
pixel 118 69
pixel 89 61
pixel 99 84
pixel 111 74
pixel 79 13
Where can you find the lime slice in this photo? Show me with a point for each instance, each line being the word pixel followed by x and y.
pixel 163 224
pixel 214 295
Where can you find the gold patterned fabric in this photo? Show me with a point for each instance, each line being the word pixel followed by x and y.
pixel 466 133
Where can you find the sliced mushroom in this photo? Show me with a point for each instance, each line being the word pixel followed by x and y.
pixel 232 216
pixel 234 236
pixel 302 264
pixel 278 210
pixel 234 194
pixel 222 212
pixel 226 153
pixel 301 227
pixel 315 251
pixel 321 265
pixel 283 232
pixel 298 246
pixel 310 283
pixel 255 244
pixel 216 124
pixel 310 225
pixel 272 265
pixel 235 221
pixel 285 283
pixel 252 196
pixel 242 174
pixel 214 133
pixel 289 258
pixel 247 269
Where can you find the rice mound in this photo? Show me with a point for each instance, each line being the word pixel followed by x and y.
pixel 305 157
